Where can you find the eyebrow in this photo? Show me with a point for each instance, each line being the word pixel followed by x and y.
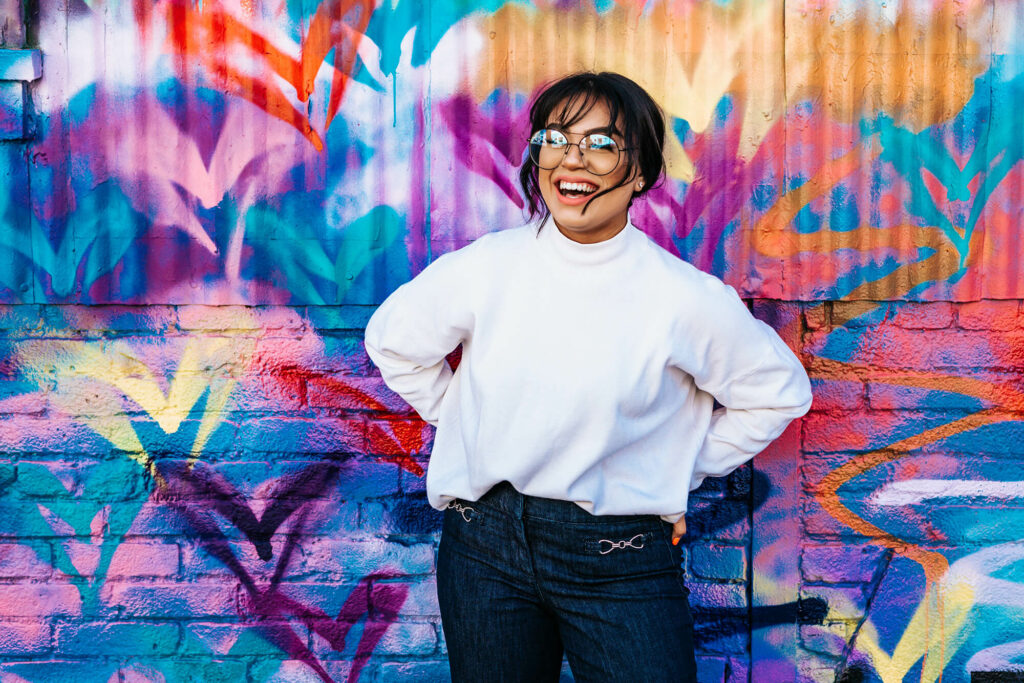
pixel 607 130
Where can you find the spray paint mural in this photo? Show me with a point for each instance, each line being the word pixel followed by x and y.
pixel 201 477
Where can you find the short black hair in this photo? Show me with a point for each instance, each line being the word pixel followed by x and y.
pixel 632 109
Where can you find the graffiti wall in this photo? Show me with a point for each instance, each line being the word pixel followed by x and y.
pixel 202 477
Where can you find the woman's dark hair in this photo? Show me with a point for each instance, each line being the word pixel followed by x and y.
pixel 634 115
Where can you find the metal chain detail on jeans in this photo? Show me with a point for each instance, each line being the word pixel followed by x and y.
pixel 467 512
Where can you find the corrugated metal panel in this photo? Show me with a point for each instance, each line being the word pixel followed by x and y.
pixel 258 152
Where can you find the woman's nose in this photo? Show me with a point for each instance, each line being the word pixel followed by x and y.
pixel 573 157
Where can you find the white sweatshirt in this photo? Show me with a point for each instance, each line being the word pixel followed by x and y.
pixel 588 372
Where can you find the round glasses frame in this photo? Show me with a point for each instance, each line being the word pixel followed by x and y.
pixel 592 141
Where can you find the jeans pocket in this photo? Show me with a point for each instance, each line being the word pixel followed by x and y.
pixel 620 550
pixel 466 524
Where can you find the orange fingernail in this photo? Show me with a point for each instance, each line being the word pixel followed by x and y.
pixel 675 541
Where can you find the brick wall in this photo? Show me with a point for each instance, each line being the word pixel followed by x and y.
pixel 201 476
pixel 300 540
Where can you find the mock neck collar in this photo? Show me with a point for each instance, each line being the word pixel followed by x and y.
pixel 587 254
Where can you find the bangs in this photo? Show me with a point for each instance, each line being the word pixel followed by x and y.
pixel 575 108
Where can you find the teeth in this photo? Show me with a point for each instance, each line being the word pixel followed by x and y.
pixel 576 187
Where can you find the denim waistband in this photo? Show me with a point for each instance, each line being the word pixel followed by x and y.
pixel 504 498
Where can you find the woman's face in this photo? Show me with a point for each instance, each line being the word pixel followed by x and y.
pixel 606 215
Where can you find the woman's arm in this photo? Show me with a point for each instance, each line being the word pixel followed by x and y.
pixel 743 363
pixel 423 321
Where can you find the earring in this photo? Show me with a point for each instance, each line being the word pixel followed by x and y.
pixel 640 185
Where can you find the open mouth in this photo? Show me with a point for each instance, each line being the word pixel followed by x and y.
pixel 576 189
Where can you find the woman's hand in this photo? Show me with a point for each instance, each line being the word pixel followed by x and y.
pixel 678 530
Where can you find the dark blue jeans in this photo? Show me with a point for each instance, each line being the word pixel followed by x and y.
pixel 520 579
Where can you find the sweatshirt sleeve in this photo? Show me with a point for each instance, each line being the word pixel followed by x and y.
pixel 419 324
pixel 747 368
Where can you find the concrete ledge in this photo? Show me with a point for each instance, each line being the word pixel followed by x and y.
pixel 20 65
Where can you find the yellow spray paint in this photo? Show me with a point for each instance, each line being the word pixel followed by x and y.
pixel 116 380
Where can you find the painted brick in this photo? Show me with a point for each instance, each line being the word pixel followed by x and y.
pixel 817 522
pixel 12 110
pixel 942 394
pixel 853 314
pixel 144 321
pixel 65 671
pixel 406 638
pixel 49 433
pixel 118 639
pixel 739 482
pixel 199 562
pixel 830 395
pixel 922 316
pixel 184 671
pixel 721 632
pixel 320 435
pixel 268 481
pixel 17 320
pixel 713 561
pixel 293 355
pixel 739 670
pixel 401 436
pixel 420 598
pixel 108 480
pixel 725 520
pixel 267 670
pixel 711 487
pixel 374 518
pixel 223 441
pixel 343 352
pixel 818 315
pixel 359 558
pixel 893 347
pixel 269 394
pixel 8 473
pixel 347 392
pixel 144 559
pixel 23 639
pixel 25 560
pixel 324 318
pixel 39 600
pixel 704 594
pixel 236 639
pixel 865 431
pixel 335 518
pixel 415 672
pixel 412 515
pixel 217 319
pixel 413 483
pixel 364 479
pixel 829 638
pixel 170 600
pixel 784 316
pixel 816 468
pixel 836 563
pixel 711 669
pixel 22 397
pixel 845 602
pixel 989 315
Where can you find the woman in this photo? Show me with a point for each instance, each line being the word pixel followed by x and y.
pixel 582 412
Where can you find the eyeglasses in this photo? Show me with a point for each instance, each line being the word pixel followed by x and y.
pixel 599 153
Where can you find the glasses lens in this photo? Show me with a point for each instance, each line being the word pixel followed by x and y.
pixel 600 153
pixel 547 147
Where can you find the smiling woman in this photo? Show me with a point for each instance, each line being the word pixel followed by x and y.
pixel 598 144
pixel 582 412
